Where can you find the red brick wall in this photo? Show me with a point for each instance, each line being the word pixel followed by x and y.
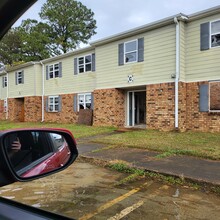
pixel 109 107
pixel 182 106
pixel 16 109
pixel 196 120
pixel 67 114
pixel 160 106
pixel 2 113
pixel 32 108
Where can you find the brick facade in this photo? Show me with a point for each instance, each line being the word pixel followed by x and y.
pixel 160 106
pixel 2 113
pixel 33 108
pixel 109 107
pixel 66 115
pixel 16 109
pixel 196 120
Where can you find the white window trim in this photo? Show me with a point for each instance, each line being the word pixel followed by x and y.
pixel 53 65
pixel 136 40
pixel 84 63
pixel 84 101
pixel 19 77
pixel 5 81
pixel 210 94
pixel 210 35
pixel 53 104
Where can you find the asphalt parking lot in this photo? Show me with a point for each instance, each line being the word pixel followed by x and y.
pixel 86 191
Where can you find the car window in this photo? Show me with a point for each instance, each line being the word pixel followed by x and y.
pixel 57 140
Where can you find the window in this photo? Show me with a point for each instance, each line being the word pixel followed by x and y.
pixel 58 140
pixel 84 101
pixel 131 51
pixel 19 77
pixel 54 71
pixel 4 81
pixel 85 64
pixel 215 33
pixel 214 96
pixel 209 96
pixel 53 103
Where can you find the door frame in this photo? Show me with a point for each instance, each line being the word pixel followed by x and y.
pixel 133 107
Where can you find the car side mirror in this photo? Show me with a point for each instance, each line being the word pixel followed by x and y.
pixel 32 153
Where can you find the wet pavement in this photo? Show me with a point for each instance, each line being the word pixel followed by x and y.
pixel 86 191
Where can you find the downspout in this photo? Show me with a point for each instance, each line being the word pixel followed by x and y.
pixel 177 78
pixel 42 97
pixel 177 72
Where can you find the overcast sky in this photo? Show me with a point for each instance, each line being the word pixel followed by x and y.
pixel 115 16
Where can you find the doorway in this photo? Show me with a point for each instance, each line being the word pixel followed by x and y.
pixel 136 108
pixel 19 111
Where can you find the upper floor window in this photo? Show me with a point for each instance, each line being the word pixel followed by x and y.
pixel 54 71
pixel 84 101
pixel 215 34
pixel 4 81
pixel 85 64
pixel 209 35
pixel 131 51
pixel 19 77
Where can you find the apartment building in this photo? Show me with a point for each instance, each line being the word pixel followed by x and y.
pixel 164 75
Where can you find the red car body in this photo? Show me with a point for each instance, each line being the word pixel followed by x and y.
pixel 55 161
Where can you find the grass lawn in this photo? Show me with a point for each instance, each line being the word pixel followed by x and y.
pixel 205 145
pixel 78 131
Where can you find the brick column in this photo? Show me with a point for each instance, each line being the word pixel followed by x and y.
pixel 109 107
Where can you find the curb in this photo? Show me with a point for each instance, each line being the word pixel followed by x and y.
pixel 202 183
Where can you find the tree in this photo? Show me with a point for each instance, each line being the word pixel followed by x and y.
pixel 35 40
pixel 70 24
pixel 28 42
pixel 65 24
pixel 10 47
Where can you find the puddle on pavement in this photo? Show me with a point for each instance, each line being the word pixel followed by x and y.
pixel 83 188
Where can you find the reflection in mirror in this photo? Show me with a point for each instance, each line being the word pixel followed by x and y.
pixel 33 153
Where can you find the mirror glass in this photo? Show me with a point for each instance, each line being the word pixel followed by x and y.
pixel 33 153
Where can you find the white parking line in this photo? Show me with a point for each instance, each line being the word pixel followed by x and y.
pixel 114 201
pixel 127 211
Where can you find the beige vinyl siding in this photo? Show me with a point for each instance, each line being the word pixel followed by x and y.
pixel 70 83
pixel 38 79
pixel 3 91
pixel 158 65
pixel 21 90
pixel 182 51
pixel 200 65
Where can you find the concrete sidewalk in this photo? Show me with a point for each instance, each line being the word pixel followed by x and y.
pixel 199 170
